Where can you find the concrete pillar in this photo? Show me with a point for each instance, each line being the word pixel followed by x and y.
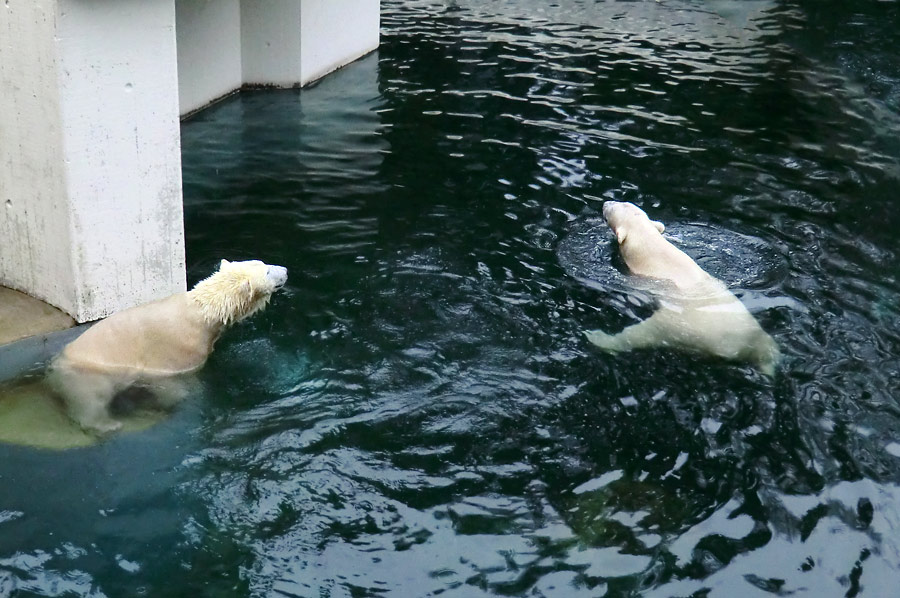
pixel 209 51
pixel 224 44
pixel 334 33
pixel 90 164
pixel 271 31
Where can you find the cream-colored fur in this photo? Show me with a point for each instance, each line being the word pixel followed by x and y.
pixel 696 311
pixel 155 345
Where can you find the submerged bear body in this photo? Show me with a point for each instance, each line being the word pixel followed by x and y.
pixel 696 311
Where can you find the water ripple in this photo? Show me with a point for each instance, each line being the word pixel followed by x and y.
pixel 418 411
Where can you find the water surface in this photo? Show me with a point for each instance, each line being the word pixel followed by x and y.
pixel 418 414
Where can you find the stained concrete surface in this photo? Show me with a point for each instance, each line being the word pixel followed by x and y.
pixel 22 316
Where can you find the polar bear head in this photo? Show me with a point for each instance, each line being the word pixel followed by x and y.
pixel 237 290
pixel 624 217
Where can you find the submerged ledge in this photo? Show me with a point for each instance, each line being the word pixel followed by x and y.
pixel 25 355
pixel 31 332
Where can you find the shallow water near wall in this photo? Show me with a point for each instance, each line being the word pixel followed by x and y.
pixel 418 412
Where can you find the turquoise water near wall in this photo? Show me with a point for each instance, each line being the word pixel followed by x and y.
pixel 418 413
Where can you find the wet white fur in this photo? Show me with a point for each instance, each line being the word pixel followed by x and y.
pixel 155 344
pixel 236 291
pixel 696 311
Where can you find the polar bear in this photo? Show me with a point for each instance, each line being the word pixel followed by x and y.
pixel 152 347
pixel 696 311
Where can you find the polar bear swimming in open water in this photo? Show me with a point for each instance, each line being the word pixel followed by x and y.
pixel 696 311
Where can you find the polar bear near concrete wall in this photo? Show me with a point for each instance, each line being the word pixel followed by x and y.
pixel 153 346
pixel 696 311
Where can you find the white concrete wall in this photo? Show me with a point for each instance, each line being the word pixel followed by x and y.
pixel 209 51
pixel 270 42
pixel 334 33
pixel 34 229
pixel 91 166
pixel 224 44
pixel 118 80
pixel 90 170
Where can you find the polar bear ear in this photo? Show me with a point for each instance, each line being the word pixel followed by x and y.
pixel 621 233
pixel 223 264
pixel 659 225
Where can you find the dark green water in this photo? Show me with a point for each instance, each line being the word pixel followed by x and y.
pixel 418 413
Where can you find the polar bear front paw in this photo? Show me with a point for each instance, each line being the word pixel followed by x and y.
pixel 102 427
pixel 607 342
pixel 94 418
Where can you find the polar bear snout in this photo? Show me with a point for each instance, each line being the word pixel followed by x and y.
pixel 608 207
pixel 277 276
pixel 620 210
pixel 623 216
pixel 617 213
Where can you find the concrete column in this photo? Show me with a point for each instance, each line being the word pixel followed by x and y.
pixel 90 164
pixel 224 44
pixel 209 51
pixel 334 33
pixel 270 42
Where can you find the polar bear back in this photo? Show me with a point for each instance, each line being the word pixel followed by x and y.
pixel 648 253
pixel 165 337
pixel 709 318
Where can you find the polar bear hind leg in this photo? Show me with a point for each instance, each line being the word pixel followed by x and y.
pixel 765 354
pixel 87 398
pixel 168 392
pixel 637 336
pixel 665 329
pixel 607 342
